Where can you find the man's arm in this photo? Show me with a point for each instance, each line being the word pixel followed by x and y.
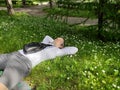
pixel 47 40
pixel 67 51
pixel 53 52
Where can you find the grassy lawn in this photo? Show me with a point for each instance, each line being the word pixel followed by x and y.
pixel 70 12
pixel 96 66
pixel 73 9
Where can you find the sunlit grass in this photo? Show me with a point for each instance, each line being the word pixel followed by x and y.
pixel 96 66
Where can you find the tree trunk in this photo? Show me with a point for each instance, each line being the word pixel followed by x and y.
pixel 9 7
pixel 101 6
pixel 24 3
pixel 50 2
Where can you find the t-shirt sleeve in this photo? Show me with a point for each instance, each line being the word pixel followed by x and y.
pixel 67 51
pixel 47 40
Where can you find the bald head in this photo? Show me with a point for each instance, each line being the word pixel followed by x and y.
pixel 59 42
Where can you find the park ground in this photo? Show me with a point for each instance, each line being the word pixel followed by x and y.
pixel 96 65
pixel 38 11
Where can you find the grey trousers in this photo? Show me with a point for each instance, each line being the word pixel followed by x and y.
pixel 16 67
pixel 22 86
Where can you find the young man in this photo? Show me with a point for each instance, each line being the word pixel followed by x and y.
pixel 17 65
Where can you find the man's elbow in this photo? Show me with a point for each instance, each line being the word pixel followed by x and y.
pixel 75 50
pixel 72 50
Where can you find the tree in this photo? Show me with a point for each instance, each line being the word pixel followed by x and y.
pixel 23 2
pixel 50 2
pixel 101 7
pixel 9 7
pixel 108 19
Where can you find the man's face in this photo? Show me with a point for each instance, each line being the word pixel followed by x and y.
pixel 59 42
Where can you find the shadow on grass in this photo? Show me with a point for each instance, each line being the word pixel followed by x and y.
pixel 90 33
pixel 3 13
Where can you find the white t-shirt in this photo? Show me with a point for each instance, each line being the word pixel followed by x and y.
pixel 49 52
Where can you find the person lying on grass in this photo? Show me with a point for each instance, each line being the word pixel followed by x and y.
pixel 17 65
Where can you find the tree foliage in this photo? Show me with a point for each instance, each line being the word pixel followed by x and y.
pixel 108 17
pixel 107 12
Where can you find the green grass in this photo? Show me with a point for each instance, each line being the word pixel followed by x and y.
pixel 96 66
pixel 70 12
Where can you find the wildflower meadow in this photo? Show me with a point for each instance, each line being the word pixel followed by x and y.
pixel 96 66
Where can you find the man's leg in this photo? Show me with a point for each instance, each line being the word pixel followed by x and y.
pixel 12 75
pixel 15 67
pixel 3 61
pixel 14 72
pixel 22 86
pixel 2 86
